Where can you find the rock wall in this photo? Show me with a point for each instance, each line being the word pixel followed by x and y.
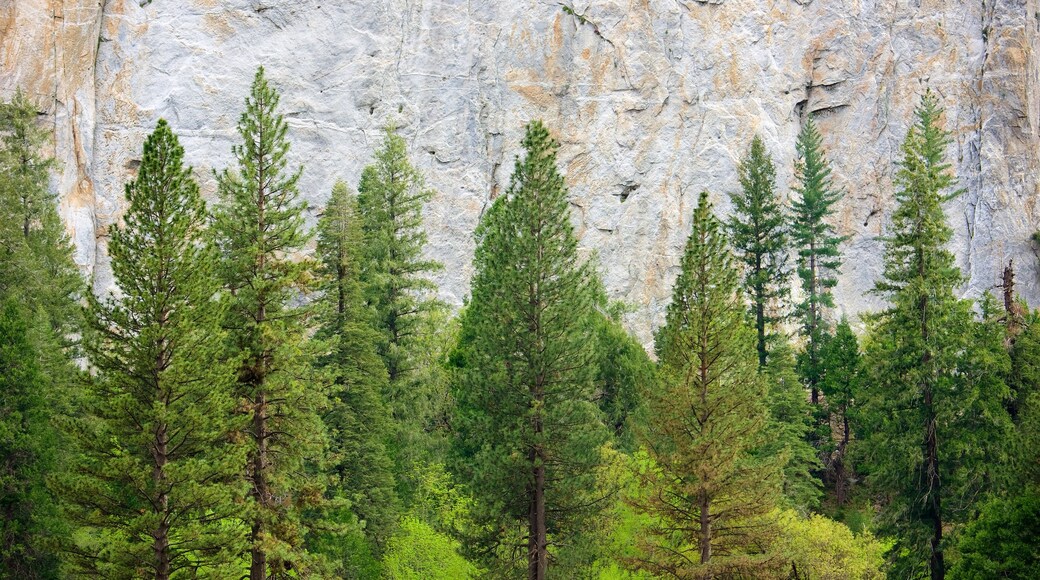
pixel 653 101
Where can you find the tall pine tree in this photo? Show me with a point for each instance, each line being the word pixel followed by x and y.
pixel 397 288
pixel 842 378
pixel 710 491
pixel 28 447
pixel 39 289
pixel 259 226
pixel 528 431
pixel 934 420
pixel 156 481
pixel 790 423
pixel 759 236
pixel 358 419
pixel 818 254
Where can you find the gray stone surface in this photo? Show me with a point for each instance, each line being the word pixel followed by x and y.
pixel 653 100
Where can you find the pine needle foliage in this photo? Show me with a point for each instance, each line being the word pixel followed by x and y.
pixel 934 421
pixel 157 478
pixel 761 243
pixel 260 225
pixel 710 493
pixel 358 420
pixel 818 247
pixel 528 430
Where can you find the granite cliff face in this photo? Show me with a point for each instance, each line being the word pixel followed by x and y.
pixel 653 100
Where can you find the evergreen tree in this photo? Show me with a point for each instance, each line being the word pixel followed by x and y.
pixel 27 454
pixel 790 422
pixel 358 420
pixel 259 226
pixel 759 236
pixel 841 385
pixel 1024 381
pixel 818 255
pixel 934 422
pixel 156 480
pixel 710 491
pixel 39 287
pixel 396 286
pixel 528 431
pixel 624 370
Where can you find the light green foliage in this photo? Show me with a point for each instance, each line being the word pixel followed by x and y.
pixel 790 421
pixel 710 494
pixel 1003 542
pixel 933 418
pixel 819 256
pixel 761 243
pixel 259 225
pixel 819 548
pixel 358 419
pixel 418 552
pixel 527 429
pixel 156 489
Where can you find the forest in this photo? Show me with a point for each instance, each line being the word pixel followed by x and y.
pixel 258 399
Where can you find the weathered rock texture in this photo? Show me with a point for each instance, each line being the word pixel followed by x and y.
pixel 653 101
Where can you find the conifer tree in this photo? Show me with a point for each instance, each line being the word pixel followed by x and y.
pixel 358 420
pixel 790 422
pixel 157 477
pixel 934 423
pixel 28 514
pixel 710 491
pixel 528 431
pixel 760 239
pixel 39 287
pixel 397 288
pixel 259 225
pixel 624 370
pixel 842 377
pixel 818 254
pixel 1024 381
pixel 37 264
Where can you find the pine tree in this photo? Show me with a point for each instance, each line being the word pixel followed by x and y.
pixel 933 417
pixel 156 480
pixel 790 422
pixel 818 254
pixel 840 384
pixel 710 492
pixel 759 236
pixel 45 272
pixel 396 286
pixel 624 370
pixel 528 431
pixel 27 454
pixel 260 225
pixel 1024 380
pixel 358 420
pixel 39 287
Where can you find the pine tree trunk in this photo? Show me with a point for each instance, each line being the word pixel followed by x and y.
pixel 161 544
pixel 705 533
pixel 931 444
pixel 813 339
pixel 258 567
pixel 760 312
pixel 841 474
pixel 538 561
